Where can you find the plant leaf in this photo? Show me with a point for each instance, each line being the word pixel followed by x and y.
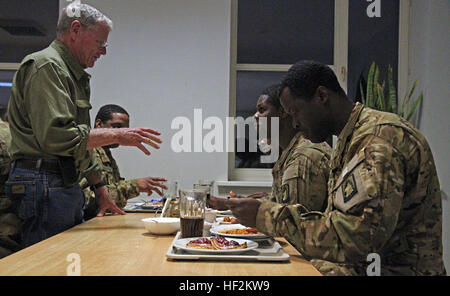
pixel 414 107
pixel 407 99
pixel 381 103
pixel 375 87
pixel 392 94
pixel 370 85
pixel 363 98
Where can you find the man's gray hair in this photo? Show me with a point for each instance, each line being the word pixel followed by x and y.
pixel 87 15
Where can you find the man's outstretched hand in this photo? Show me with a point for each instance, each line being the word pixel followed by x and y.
pixel 150 184
pixel 138 136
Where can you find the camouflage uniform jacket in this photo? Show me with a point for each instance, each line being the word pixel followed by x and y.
pixel 119 189
pixel 9 220
pixel 301 174
pixel 384 198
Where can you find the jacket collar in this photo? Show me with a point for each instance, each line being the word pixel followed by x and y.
pixel 71 62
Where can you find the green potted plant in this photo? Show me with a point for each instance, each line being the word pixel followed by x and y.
pixel 378 97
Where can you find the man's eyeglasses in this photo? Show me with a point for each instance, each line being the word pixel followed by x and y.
pixel 102 45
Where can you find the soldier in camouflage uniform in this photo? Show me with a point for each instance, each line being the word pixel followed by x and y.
pixel 9 220
pixel 120 190
pixel 300 175
pixel 384 194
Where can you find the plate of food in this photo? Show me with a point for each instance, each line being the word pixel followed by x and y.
pixel 238 231
pixel 216 245
pixel 227 220
pixel 224 212
pixel 153 204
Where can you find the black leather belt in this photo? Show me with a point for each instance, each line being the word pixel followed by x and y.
pixel 32 164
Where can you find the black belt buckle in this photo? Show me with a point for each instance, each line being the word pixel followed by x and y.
pixel 68 170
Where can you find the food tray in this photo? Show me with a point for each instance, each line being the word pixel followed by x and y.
pixel 268 250
pixel 140 208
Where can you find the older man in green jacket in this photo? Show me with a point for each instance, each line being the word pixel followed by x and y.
pixel 50 127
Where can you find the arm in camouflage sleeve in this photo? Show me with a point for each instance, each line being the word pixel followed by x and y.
pixel 123 190
pixel 120 192
pixel 304 182
pixel 342 234
pixel 272 195
pixel 94 171
pixel 5 159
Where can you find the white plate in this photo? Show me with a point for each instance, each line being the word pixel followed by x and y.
pixel 216 231
pixel 181 244
pixel 220 220
pixel 224 213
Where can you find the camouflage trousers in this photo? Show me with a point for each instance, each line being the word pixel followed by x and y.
pixel 328 268
pixel 10 225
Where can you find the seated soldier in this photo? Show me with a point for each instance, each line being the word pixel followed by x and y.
pixel 300 174
pixel 114 116
pixel 9 219
pixel 384 198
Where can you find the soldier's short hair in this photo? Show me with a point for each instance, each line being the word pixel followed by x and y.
pixel 106 111
pixel 304 77
pixel 273 93
pixel 87 15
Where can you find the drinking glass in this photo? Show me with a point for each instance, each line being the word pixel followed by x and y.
pixel 192 212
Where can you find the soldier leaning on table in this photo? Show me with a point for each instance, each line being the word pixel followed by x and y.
pixel 384 194
pixel 9 220
pixel 300 174
pixel 120 190
pixel 52 142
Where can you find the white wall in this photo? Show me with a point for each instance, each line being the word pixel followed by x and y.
pixel 429 57
pixel 165 58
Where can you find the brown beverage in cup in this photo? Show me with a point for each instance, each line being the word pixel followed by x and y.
pixel 191 226
pixel 192 212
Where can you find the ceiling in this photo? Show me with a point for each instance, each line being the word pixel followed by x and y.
pixel 39 18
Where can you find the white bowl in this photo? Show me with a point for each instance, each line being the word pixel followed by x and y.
pixel 160 225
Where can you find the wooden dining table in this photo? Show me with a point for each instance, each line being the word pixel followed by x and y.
pixel 120 245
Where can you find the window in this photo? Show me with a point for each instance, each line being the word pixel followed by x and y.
pixel 6 78
pixel 371 39
pixel 25 27
pixel 267 37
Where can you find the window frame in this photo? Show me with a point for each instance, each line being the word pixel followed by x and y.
pixel 340 66
pixel 9 66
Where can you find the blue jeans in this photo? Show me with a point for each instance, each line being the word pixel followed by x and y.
pixel 46 207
